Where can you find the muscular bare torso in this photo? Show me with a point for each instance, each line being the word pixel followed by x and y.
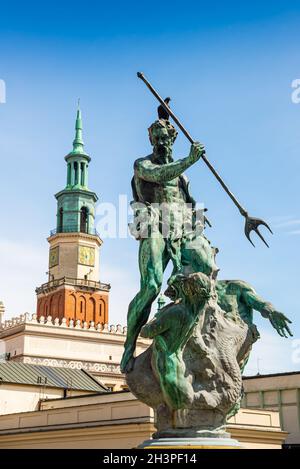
pixel 164 192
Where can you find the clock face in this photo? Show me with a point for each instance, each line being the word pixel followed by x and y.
pixel 86 255
pixel 54 257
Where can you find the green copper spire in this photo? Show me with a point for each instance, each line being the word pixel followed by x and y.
pixel 77 159
pixel 76 203
pixel 78 142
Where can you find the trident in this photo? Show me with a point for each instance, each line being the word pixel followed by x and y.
pixel 251 223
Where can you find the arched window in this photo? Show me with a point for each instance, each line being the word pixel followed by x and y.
pixel 102 310
pixel 82 172
pixel 41 307
pixel 82 308
pixel 76 172
pixel 60 306
pixel 69 175
pixel 92 310
pixel 84 220
pixel 72 306
pixel 51 306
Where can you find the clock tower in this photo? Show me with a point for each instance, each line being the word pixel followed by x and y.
pixel 73 290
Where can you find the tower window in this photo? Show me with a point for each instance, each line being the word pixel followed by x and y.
pixel 69 175
pixel 84 228
pixel 82 167
pixel 76 172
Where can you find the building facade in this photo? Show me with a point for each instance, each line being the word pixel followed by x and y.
pixel 279 392
pixel 23 387
pixel 69 344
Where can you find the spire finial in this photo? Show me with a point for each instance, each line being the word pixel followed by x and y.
pixel 78 142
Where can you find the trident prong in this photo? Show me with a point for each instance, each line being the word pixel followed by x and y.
pixel 252 224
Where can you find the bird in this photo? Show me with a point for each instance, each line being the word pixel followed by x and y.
pixel 162 113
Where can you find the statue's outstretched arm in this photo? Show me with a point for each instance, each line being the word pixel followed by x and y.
pixel 160 173
pixel 252 299
pixel 278 320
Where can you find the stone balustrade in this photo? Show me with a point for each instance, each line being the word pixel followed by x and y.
pixel 51 322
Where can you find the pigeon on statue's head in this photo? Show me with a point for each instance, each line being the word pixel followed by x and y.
pixel 162 113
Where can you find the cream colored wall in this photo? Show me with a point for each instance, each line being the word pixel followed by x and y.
pixel 285 381
pixel 80 347
pixel 52 341
pixel 16 398
pixel 107 437
pixel 280 393
pixel 256 417
pixel 14 345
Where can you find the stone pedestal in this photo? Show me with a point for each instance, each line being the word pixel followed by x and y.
pixel 191 438
pixel 191 443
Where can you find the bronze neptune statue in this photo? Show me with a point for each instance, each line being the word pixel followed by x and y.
pixel 191 374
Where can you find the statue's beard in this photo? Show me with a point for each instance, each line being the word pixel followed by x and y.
pixel 163 154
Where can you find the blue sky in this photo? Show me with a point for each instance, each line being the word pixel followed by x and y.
pixel 228 68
